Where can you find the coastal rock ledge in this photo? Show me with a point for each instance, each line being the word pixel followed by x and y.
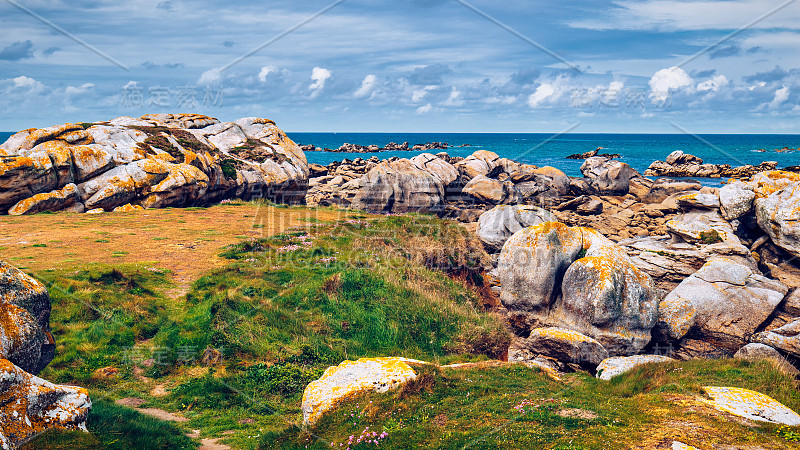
pixel 157 160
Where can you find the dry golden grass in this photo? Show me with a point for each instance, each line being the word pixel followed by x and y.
pixel 185 241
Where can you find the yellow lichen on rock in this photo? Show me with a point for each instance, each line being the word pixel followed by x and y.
pixel 128 208
pixel 750 405
pixel 352 378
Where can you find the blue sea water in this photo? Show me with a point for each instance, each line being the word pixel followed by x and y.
pixel 638 150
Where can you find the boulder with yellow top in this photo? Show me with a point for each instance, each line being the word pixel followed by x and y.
pixel 351 378
pixel 553 275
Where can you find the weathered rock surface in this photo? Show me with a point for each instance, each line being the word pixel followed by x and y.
pixel 607 176
pixel 564 345
pixel 617 365
pixel 479 163
pixel 751 405
pixel 736 199
pixel 351 378
pixel 499 223
pixel 28 404
pixel 785 338
pixel 486 190
pixel 723 304
pixel 779 216
pixel 761 351
pixel 399 186
pixel 553 275
pixel 154 161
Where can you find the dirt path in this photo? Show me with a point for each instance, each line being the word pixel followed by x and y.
pixel 186 241
pixel 205 443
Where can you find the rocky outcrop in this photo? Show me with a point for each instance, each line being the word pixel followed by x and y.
pixel 563 346
pixel 351 378
pixel 30 405
pixel 778 215
pixel 722 304
pixel 486 190
pixel 607 176
pixel 501 222
pixel 155 161
pixel 399 186
pixel 479 163
pixel 679 164
pixel 785 338
pixel 553 275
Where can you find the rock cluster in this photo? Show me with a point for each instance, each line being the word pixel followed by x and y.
pixel 30 405
pixel 391 146
pixel 679 164
pixel 157 160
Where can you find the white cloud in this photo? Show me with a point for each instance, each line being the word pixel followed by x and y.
pixel 667 80
pixel 266 70
pixel 454 99
pixel 210 76
pixel 319 76
pixel 419 94
pixel 713 84
pixel 26 82
pixel 70 90
pixel 542 93
pixel 367 86
pixel 424 109
pixel 672 15
pixel 781 95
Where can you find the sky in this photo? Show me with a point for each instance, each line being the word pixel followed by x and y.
pixel 649 66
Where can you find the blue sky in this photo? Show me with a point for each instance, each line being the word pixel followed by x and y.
pixel 413 65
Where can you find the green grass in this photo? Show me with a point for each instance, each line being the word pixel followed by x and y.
pixel 281 311
pixel 117 428
pixel 517 407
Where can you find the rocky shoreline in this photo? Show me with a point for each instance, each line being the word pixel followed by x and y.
pixel 373 148
pixel 587 269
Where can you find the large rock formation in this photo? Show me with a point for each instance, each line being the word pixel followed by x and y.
pixel 722 304
pixel 778 215
pixel 400 186
pixel 30 405
pixel 553 275
pixel 155 161
pixel 607 176
pixel 499 223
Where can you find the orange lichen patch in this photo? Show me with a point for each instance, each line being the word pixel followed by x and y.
pixel 58 199
pixel 39 135
pixel 32 405
pixel 678 314
pixel 128 208
pixel 550 171
pixel 14 163
pixel 351 378
pixel 766 183
pixel 561 334
pixel 95 211
pixel 750 405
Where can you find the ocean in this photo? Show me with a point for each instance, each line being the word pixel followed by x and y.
pixel 638 150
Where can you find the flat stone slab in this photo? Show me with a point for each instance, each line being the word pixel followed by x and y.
pixel 750 405
pixel 617 365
